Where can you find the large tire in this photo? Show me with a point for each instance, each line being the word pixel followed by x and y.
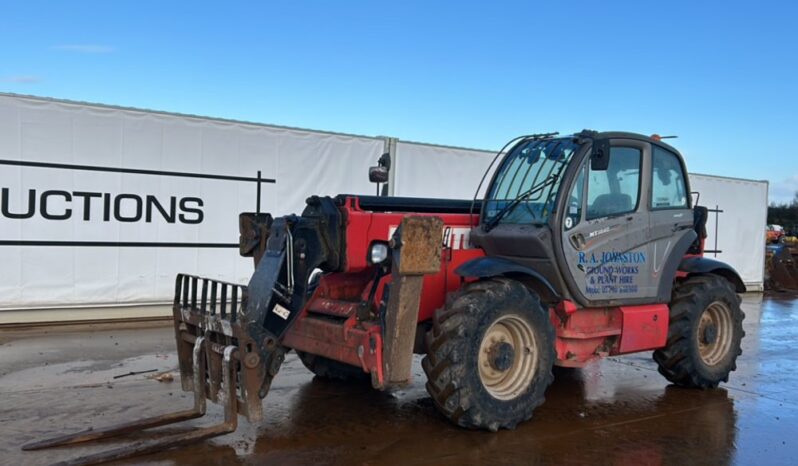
pixel 490 354
pixel 704 333
pixel 330 369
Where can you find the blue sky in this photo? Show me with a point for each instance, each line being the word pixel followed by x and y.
pixel 723 76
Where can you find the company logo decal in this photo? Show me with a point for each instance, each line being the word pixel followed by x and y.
pixel 612 272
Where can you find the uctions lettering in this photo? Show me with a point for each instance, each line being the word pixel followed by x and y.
pixel 126 208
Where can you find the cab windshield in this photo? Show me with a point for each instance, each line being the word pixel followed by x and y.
pixel 525 186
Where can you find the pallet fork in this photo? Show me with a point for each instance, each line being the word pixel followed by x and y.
pixel 149 446
pixel 218 361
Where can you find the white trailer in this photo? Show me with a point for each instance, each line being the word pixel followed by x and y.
pixel 736 224
pixel 101 206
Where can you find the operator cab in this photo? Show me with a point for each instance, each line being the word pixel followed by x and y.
pixel 605 218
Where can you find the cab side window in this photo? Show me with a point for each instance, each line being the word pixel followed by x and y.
pixel 616 190
pixel 667 181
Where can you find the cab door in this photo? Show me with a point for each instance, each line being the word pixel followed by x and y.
pixel 670 218
pixel 605 229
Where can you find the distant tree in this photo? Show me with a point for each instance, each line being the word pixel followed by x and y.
pixel 785 214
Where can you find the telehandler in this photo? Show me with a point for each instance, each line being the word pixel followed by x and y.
pixel 583 246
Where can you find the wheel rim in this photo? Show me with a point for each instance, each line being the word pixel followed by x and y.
pixel 508 357
pixel 714 335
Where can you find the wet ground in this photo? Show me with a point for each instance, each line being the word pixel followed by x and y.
pixel 619 411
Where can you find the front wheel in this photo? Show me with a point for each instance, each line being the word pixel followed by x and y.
pixel 704 334
pixel 489 355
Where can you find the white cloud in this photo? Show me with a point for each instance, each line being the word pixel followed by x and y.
pixel 22 79
pixel 84 48
pixel 783 191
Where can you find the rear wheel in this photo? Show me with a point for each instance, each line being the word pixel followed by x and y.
pixel 489 355
pixel 704 334
pixel 330 369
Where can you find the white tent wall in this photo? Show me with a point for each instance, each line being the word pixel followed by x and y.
pixel 46 263
pixel 424 170
pixel 738 229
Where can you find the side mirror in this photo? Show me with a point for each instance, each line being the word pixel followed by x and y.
pixel 600 156
pixel 378 174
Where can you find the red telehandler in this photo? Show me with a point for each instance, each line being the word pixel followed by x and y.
pixel 584 246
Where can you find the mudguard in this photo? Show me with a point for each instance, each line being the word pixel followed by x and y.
pixel 486 267
pixel 699 264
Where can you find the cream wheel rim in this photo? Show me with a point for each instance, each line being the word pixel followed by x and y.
pixel 508 357
pixel 714 335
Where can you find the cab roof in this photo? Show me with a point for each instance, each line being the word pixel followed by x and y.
pixel 591 134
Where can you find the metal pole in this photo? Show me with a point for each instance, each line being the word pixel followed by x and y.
pixel 717 214
pixel 389 146
pixel 257 204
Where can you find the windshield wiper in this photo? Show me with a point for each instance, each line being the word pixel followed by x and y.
pixel 490 224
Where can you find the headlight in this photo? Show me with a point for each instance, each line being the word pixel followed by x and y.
pixel 378 253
